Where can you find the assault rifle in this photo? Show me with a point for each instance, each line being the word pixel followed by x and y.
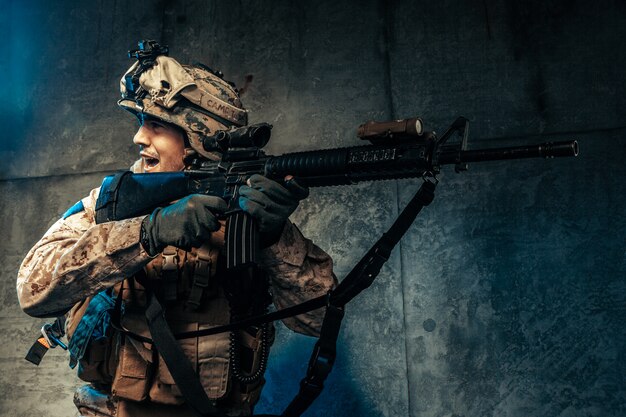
pixel 398 149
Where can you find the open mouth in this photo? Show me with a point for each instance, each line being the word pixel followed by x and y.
pixel 149 162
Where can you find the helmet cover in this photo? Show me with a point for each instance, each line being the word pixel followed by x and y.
pixel 189 96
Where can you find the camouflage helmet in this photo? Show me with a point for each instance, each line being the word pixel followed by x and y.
pixel 188 96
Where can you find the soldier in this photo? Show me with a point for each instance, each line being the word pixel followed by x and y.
pixel 176 253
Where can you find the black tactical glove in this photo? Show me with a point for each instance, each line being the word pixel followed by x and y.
pixel 270 203
pixel 185 224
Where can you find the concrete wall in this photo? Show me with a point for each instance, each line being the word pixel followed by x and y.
pixel 507 296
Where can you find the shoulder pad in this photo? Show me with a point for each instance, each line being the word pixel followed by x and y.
pixel 76 208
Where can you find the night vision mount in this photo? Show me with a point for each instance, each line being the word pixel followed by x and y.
pixel 146 55
pixel 148 50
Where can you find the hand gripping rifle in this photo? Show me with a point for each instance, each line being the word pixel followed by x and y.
pixel 397 149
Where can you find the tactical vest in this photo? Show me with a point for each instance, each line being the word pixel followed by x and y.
pixel 230 365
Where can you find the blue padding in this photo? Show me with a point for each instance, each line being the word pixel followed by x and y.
pixel 93 324
pixel 76 208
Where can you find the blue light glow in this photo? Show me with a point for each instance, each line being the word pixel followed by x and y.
pixel 20 35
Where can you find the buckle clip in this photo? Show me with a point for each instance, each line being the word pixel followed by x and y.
pixel 52 336
pixel 320 365
pixel 170 262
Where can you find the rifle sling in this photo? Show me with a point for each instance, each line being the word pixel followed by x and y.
pixel 357 280
pixel 367 269
pixel 305 307
pixel 177 363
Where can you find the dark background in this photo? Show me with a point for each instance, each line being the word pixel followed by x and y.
pixel 506 297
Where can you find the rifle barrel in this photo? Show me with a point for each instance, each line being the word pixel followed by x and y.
pixel 544 150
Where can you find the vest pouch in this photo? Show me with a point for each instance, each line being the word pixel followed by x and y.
pixel 164 389
pixel 133 375
pixel 214 364
pixel 250 393
pixel 98 365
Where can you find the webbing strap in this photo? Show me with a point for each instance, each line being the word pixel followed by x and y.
pixel 169 273
pixel 305 307
pixel 320 364
pixel 201 278
pixel 51 334
pixel 177 363
pixel 367 269
pixel 37 351
pixel 359 278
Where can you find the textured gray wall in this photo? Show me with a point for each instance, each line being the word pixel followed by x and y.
pixel 507 296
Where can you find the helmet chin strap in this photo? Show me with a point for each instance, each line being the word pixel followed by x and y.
pixel 186 139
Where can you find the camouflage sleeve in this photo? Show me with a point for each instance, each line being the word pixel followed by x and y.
pixel 77 258
pixel 299 271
